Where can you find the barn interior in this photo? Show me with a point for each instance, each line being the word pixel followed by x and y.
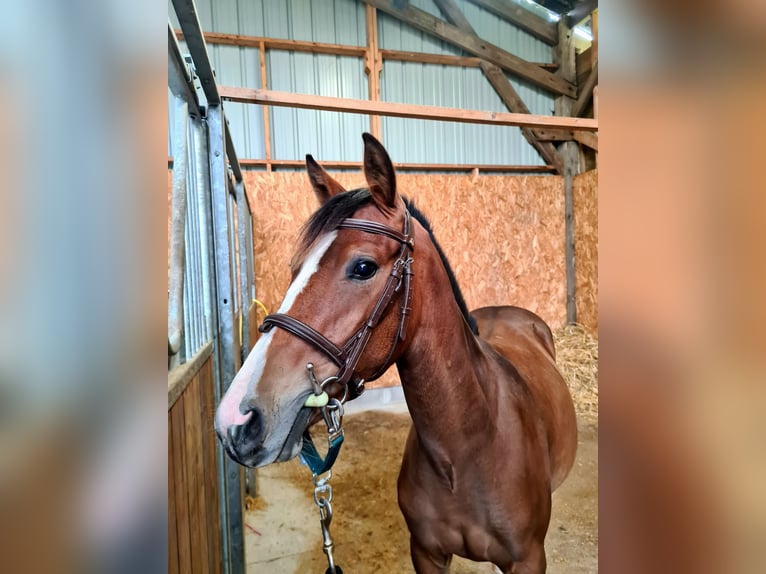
pixel 489 111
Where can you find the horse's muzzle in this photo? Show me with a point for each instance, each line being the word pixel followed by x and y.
pixel 244 442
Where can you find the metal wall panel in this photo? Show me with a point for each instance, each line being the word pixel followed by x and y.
pixel 333 136
pixel 446 142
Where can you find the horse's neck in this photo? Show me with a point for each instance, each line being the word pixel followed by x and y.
pixel 442 375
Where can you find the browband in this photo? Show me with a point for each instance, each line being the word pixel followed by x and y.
pixel 347 357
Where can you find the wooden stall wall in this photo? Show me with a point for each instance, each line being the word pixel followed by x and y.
pixel 585 196
pixel 503 235
pixel 194 524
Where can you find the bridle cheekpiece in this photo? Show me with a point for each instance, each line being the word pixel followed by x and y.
pixel 347 356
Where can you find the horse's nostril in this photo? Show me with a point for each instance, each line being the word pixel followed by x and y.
pixel 248 433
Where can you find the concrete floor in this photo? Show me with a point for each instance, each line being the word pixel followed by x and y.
pixel 282 532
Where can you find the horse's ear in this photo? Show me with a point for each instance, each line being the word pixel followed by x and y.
pixel 324 186
pixel 379 172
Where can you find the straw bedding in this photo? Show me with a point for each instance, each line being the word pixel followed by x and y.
pixel 577 359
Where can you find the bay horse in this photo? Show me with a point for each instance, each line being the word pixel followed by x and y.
pixel 494 427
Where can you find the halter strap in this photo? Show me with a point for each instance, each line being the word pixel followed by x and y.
pixel 347 357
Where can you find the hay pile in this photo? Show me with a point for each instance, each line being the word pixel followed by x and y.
pixel 577 359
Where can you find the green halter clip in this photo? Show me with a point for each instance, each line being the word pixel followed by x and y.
pixel 332 411
pixel 310 455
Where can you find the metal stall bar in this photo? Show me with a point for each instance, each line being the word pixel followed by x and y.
pixel 244 290
pixel 187 18
pixel 181 83
pixel 203 197
pixel 179 80
pixel 219 188
pixel 225 368
pixel 194 314
pixel 205 203
pixel 177 235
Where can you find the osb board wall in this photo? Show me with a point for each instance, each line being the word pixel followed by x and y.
pixel 585 197
pixel 503 235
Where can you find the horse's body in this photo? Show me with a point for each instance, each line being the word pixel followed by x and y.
pixel 526 341
pixel 493 424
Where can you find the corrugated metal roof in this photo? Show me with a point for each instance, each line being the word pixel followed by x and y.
pixel 333 136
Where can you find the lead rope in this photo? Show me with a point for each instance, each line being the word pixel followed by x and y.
pixel 321 468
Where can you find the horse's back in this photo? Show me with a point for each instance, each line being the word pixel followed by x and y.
pixel 526 341
pixel 504 323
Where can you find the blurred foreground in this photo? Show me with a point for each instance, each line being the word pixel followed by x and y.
pixel 83 291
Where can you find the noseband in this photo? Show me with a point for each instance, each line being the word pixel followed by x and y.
pixel 347 356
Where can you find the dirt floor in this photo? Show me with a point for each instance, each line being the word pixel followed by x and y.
pixel 282 532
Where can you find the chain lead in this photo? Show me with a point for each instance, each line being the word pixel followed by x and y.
pixel 332 413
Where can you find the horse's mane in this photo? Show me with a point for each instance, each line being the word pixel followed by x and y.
pixel 417 214
pixel 342 206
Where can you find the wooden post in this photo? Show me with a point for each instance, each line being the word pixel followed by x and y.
pixel 373 66
pixel 266 126
pixel 564 54
pixel 594 30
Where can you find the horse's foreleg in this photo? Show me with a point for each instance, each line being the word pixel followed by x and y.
pixel 533 563
pixel 426 562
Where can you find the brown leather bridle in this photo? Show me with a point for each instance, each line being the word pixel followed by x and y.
pixel 347 357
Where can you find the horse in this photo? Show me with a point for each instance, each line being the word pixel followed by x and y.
pixel 493 426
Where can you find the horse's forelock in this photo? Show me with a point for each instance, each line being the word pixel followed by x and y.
pixel 327 218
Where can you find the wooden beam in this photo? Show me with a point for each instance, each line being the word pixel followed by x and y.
pixel 584 64
pixel 408 166
pixel 437 59
pixel 514 103
pixel 346 50
pixel 348 105
pixel 472 44
pixel 445 59
pixel 595 102
pixel 524 19
pixel 373 66
pixel 266 121
pixel 293 163
pixel 587 138
pixel 570 155
pixel 585 92
pixel 502 86
pixel 549 135
pixel 279 44
pixel 594 28
pixel 454 15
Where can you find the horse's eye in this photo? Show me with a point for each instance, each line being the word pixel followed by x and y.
pixel 363 269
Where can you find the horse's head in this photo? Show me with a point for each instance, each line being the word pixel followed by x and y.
pixel 350 281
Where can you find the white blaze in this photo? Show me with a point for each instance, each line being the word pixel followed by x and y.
pixel 246 380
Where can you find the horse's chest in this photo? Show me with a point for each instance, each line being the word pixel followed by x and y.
pixel 439 495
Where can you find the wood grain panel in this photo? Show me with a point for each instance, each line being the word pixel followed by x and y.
pixel 180 486
pixel 172 526
pixel 209 440
pixel 195 478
